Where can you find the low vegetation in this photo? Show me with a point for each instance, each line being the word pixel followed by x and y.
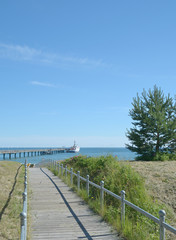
pixel 119 176
pixel 11 189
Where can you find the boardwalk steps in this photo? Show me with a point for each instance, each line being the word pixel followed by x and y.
pixel 58 213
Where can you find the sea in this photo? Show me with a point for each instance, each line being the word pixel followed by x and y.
pixel 120 153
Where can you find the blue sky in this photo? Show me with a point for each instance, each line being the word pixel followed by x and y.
pixel 70 69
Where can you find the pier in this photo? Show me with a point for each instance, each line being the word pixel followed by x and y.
pixel 9 154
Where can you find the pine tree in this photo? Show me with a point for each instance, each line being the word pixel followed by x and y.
pixel 154 125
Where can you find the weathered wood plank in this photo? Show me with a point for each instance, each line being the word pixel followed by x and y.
pixel 62 215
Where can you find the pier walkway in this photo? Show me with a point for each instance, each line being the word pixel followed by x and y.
pixel 30 152
pixel 58 213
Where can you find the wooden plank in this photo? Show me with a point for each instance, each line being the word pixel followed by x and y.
pixel 60 213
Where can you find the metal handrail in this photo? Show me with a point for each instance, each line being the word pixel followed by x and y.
pixel 23 214
pixel 161 220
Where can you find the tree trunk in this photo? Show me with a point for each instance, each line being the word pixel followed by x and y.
pixel 157 143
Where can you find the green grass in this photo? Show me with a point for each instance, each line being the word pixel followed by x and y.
pixel 117 176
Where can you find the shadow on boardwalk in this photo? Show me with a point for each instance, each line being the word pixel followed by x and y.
pixel 58 213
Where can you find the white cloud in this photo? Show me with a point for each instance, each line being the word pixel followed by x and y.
pixel 25 53
pixel 17 52
pixel 43 84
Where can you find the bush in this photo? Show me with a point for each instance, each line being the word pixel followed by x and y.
pixel 164 157
pixel 161 156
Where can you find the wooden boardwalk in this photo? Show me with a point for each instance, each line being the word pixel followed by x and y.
pixel 58 213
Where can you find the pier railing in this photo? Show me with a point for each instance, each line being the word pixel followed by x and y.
pixel 160 221
pixel 23 215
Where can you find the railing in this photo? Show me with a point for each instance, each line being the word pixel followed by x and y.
pixel 23 215
pixel 161 220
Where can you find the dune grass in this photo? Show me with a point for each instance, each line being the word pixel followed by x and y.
pixel 11 189
pixel 118 176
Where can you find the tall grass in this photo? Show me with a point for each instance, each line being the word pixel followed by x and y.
pixel 118 176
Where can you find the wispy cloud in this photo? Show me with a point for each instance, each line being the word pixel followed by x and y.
pixel 26 53
pixel 17 52
pixel 43 84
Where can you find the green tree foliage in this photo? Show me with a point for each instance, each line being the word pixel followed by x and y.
pixel 153 136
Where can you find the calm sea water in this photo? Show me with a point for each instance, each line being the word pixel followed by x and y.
pixel 121 153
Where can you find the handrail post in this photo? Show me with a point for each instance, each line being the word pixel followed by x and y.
pixel 25 176
pixel 23 224
pixel 25 167
pixel 66 171
pixel 71 176
pixel 25 202
pixel 62 169
pixel 101 194
pixel 25 185
pixel 24 196
pixel 162 215
pixel 122 208
pixel 58 168
pixel 78 180
pixel 87 185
